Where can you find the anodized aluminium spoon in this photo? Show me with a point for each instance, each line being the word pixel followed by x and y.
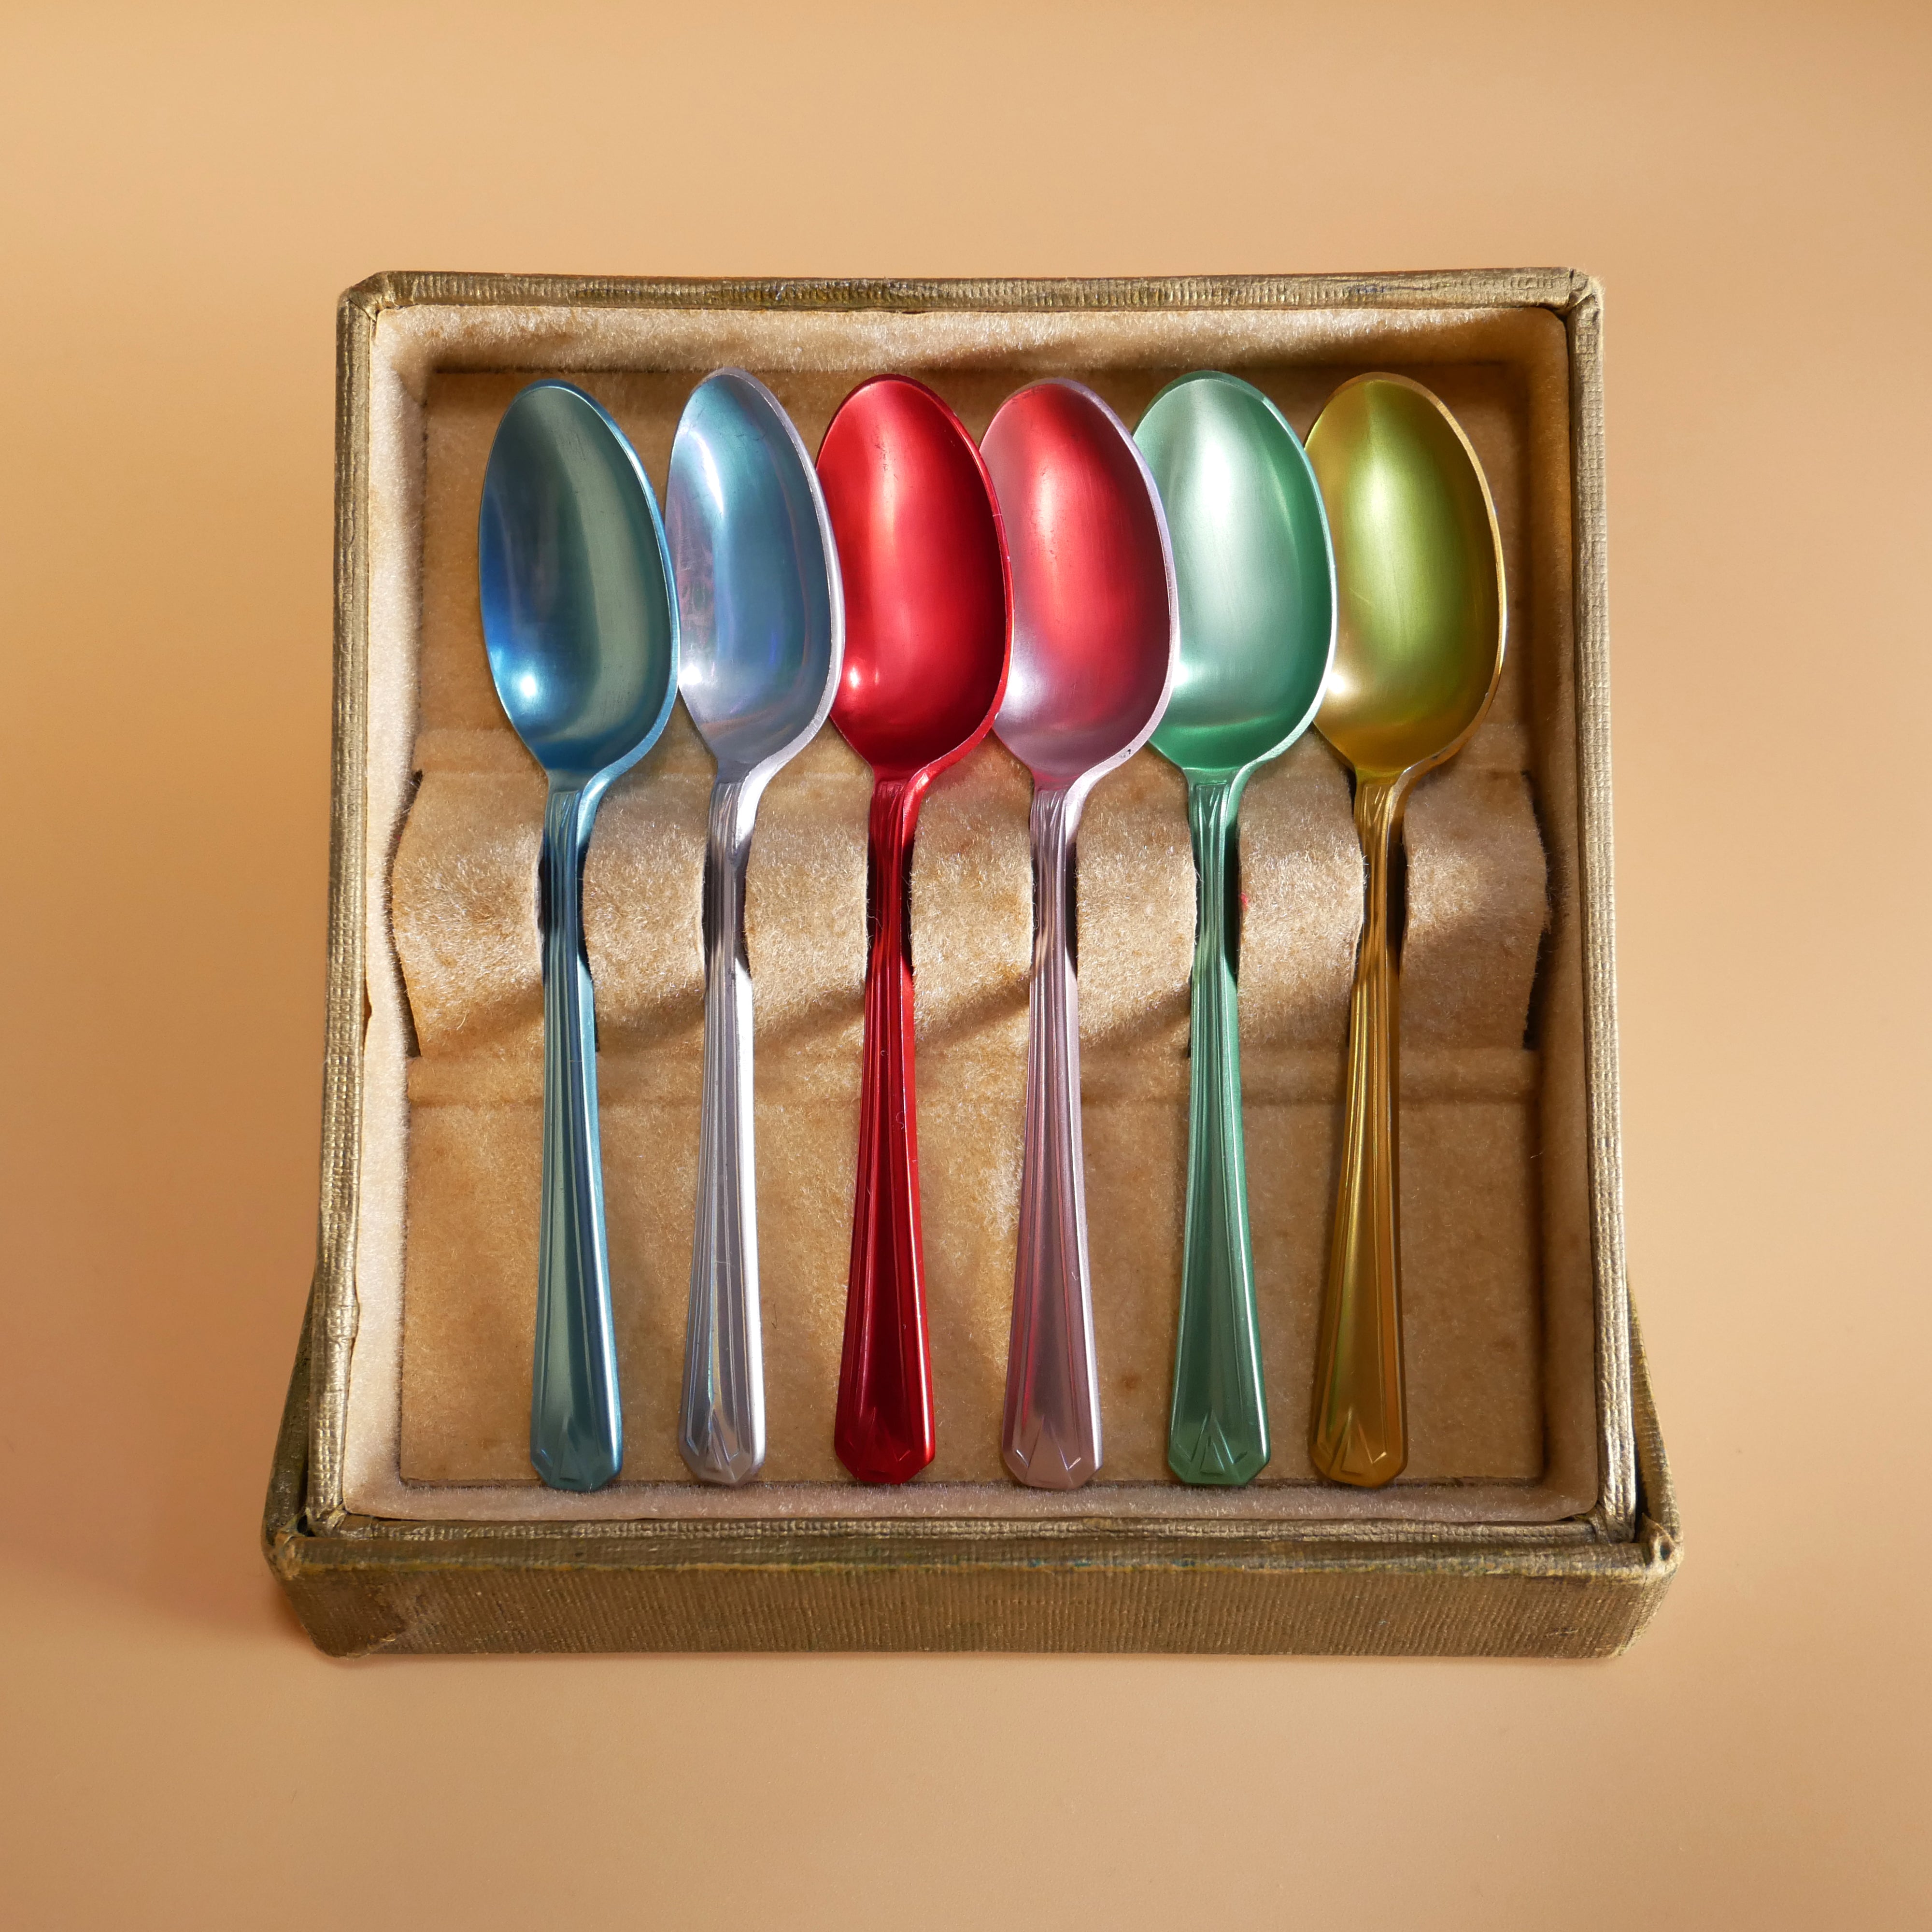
pixel 582 634
pixel 928 616
pixel 1419 560
pixel 1257 585
pixel 1096 624
pixel 761 633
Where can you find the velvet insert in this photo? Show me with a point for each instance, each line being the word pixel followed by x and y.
pixel 1497 1281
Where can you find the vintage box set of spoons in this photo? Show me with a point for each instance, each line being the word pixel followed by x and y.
pixel 971 1002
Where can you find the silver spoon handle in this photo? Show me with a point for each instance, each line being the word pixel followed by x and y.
pixel 577 1428
pixel 1051 1437
pixel 721 1431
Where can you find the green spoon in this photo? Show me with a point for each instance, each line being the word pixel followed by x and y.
pixel 1256 576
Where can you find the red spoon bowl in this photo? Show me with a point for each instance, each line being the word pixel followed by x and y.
pixel 1095 613
pixel 929 623
pixel 928 604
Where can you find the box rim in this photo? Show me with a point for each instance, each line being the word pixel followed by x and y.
pixel 369 1587
pixel 1573 296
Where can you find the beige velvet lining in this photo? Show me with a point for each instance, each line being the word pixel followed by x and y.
pixel 1498 1318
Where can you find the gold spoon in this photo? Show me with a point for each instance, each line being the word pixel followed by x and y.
pixel 1419 567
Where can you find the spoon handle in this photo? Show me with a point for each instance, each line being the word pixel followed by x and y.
pixel 1359 1433
pixel 883 1432
pixel 721 1428
pixel 1051 1439
pixel 577 1428
pixel 1218 1430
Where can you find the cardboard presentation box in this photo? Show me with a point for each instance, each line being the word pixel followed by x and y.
pixel 1534 1518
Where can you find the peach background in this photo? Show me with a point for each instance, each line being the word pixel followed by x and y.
pixel 186 190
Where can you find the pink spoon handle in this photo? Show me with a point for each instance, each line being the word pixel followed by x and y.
pixel 1051 1439
pixel 883 1432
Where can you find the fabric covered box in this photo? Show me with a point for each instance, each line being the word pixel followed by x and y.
pixel 1534 1517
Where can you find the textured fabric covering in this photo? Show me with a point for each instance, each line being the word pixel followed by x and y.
pixel 1500 1317
pixel 1385 1590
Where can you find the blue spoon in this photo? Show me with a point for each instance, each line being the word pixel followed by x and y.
pixel 581 627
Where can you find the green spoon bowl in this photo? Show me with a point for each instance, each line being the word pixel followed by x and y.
pixel 1256 571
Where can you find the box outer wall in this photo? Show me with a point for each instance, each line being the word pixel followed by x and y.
pixel 360 1585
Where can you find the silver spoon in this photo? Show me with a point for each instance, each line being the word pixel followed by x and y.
pixel 1096 627
pixel 762 624
pixel 582 635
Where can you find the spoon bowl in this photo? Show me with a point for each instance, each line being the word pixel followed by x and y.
pixel 581 631
pixel 1257 578
pixel 1096 622
pixel 761 606
pixel 1420 645
pixel 1419 558
pixel 575 586
pixel 927 605
pixel 1257 584
pixel 1095 617
pixel 928 619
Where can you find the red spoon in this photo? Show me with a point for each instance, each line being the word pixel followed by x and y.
pixel 928 619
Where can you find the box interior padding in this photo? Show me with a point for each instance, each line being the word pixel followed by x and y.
pixel 1500 1311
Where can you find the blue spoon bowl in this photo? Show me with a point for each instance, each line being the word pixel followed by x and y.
pixel 581 628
